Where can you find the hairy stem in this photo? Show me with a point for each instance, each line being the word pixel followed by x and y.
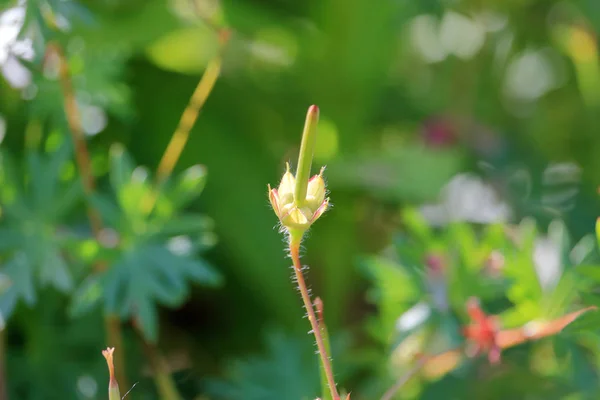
pixel 324 355
pixel 112 324
pixel 318 303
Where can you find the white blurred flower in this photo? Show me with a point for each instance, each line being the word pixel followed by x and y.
pixel 547 262
pixel 425 40
pixel 467 198
pixel 12 48
pixel 461 35
pixel 533 73
pixel 413 317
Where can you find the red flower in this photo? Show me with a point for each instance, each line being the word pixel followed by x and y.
pixel 482 333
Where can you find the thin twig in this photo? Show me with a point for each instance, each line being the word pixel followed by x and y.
pixel 186 122
pixel 162 378
pixel 403 379
pixel 188 119
pixel 112 324
pixel 325 360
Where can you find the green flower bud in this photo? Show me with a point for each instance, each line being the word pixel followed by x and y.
pixel 299 201
pixel 315 194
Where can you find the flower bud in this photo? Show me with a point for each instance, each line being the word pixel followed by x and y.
pixel 299 201
pixel 113 386
pixel 292 213
pixel 315 194
pixel 286 187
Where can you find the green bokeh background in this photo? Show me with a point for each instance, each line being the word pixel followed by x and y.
pixel 395 127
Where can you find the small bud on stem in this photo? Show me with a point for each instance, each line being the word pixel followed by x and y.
pixel 298 202
pixel 113 385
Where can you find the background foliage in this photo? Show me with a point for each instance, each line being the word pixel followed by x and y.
pixel 463 160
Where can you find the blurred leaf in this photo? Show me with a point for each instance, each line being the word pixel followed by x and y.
pixel 412 173
pixel 145 270
pixel 87 296
pixel 288 369
pixel 34 200
pixel 394 291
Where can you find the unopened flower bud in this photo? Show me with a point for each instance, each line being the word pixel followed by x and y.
pixel 286 187
pixel 315 194
pixel 113 386
pixel 299 201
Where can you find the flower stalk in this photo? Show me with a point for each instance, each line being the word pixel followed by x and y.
pixel 316 329
pixel 318 303
pixel 298 202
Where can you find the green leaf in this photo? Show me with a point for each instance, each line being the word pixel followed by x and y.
pixel 416 224
pixel 411 173
pixel 525 290
pixel 110 212
pixel 86 297
pixel 121 167
pixel 187 224
pixel 287 370
pixel 20 274
pixel 186 187
pixel 149 276
pixel 394 290
pixel 55 271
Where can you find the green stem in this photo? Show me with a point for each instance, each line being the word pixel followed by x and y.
pixel 307 149
pixel 295 239
pixel 162 378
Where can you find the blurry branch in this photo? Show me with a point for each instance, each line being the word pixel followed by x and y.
pixel 403 379
pixel 82 154
pixel 160 372
pixel 188 119
pixel 112 324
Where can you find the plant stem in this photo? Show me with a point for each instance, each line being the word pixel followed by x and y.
pixel 112 324
pixel 294 244
pixel 162 378
pixel 323 328
pixel 188 118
